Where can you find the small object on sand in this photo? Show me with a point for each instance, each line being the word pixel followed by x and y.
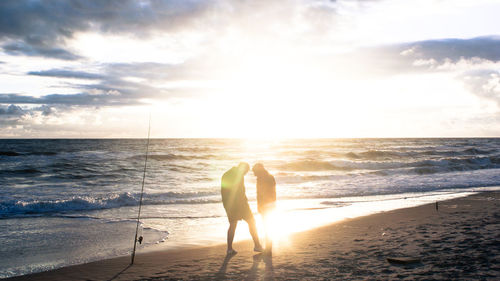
pixel 403 260
pixel 437 206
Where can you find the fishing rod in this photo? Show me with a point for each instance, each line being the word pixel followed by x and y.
pixel 142 193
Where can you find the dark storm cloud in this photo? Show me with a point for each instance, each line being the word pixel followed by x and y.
pixel 40 28
pixel 61 73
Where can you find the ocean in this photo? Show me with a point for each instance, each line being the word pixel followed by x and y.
pixel 70 201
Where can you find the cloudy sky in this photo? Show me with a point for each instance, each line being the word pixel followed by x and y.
pixel 217 68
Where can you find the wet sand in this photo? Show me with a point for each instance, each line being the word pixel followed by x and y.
pixel 458 241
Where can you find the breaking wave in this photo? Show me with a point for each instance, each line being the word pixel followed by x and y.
pixel 89 203
pixel 390 167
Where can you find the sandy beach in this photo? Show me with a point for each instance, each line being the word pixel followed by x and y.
pixel 456 241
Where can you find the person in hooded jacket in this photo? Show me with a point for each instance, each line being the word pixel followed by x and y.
pixel 266 199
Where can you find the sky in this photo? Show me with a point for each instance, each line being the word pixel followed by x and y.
pixel 249 69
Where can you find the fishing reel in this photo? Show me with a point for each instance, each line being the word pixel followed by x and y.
pixel 139 239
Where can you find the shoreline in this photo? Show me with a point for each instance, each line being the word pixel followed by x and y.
pixel 298 215
pixel 292 216
pixel 354 248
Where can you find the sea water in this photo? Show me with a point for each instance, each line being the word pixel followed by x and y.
pixel 70 201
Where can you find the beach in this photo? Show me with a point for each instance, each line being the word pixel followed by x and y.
pixel 361 136
pixel 65 202
pixel 78 204
pixel 457 240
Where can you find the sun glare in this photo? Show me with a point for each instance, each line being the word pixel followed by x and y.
pixel 267 97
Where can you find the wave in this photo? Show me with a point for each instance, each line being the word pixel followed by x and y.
pixel 73 204
pixel 395 154
pixel 43 153
pixel 9 153
pixel 476 151
pixel 22 171
pixel 196 149
pixel 376 154
pixel 387 168
pixel 14 153
pixel 335 203
pixel 89 203
pixel 182 168
pixel 459 164
pixel 171 156
pixel 312 165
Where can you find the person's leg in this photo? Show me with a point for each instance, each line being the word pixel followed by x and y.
pixel 253 231
pixel 230 235
pixel 269 241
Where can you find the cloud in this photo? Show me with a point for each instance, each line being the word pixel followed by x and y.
pixel 81 99
pixel 426 56
pixel 115 72
pixel 11 110
pixel 41 28
pixel 112 88
pixel 23 48
pixel 474 62
pixel 62 73
pixel 200 67
pixel 111 85
pixel 487 48
pixel 483 83
pixel 134 83
pixel 13 115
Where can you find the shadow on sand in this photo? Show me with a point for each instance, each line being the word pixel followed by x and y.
pixel 258 274
pixel 221 274
pixel 119 273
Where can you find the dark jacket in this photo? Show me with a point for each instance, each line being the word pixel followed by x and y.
pixel 266 192
pixel 233 194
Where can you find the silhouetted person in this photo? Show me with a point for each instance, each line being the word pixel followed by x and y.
pixel 266 198
pixel 236 204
